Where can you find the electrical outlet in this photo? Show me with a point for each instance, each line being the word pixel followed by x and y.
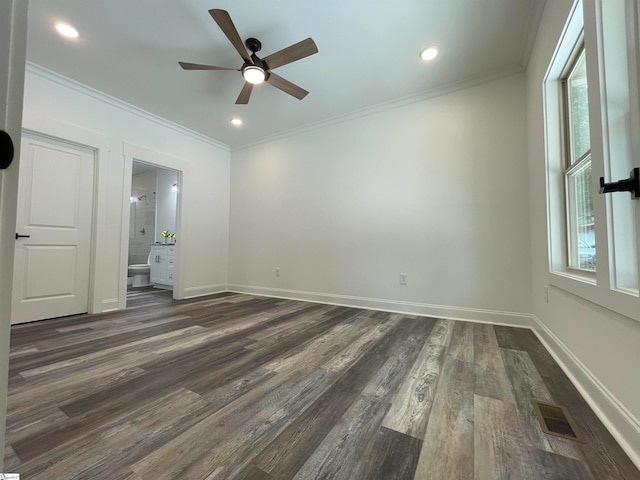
pixel 403 279
pixel 546 294
pixel 277 271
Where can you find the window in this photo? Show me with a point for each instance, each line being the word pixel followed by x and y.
pixel 592 119
pixel 581 251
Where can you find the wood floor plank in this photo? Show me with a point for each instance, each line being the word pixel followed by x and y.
pixel 283 457
pixel 254 358
pixel 461 345
pixel 553 465
pixel 55 392
pixel 403 346
pixel 527 386
pixel 251 472
pixel 447 448
pixel 239 427
pixel 11 460
pixel 89 359
pixel 103 331
pixel 359 347
pixel 314 353
pixel 25 350
pixel 114 449
pixel 491 376
pixel 502 450
pixel 39 421
pixel 152 383
pixel 347 450
pixel 411 405
pixel 392 456
pixel 291 317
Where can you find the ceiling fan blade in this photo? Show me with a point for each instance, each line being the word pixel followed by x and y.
pixel 286 86
pixel 291 54
pixel 225 23
pixel 197 66
pixel 245 94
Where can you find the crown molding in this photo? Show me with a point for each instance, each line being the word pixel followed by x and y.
pixel 385 106
pixel 67 82
pixel 534 16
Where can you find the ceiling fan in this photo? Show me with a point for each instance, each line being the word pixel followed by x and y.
pixel 256 70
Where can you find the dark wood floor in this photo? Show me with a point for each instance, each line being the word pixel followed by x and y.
pixel 240 387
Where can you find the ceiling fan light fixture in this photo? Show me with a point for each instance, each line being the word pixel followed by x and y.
pixel 254 74
pixel 429 53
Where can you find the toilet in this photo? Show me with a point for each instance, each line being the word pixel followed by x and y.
pixel 140 273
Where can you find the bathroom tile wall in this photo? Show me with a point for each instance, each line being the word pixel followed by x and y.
pixel 143 216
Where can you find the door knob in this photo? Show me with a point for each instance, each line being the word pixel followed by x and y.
pixel 22 236
pixel 6 150
pixel 631 184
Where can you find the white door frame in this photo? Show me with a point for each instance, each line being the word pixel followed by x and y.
pixel 100 144
pixel 133 152
pixel 13 50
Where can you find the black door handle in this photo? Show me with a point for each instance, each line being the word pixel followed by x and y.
pixel 22 236
pixel 631 184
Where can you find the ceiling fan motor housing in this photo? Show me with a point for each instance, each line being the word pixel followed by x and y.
pixel 253 44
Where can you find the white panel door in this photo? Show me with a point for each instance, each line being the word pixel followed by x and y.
pixel 55 205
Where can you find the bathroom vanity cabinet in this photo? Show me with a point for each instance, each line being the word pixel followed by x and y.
pixel 162 265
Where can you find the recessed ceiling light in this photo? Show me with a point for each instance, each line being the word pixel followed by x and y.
pixel 429 53
pixel 66 30
pixel 236 121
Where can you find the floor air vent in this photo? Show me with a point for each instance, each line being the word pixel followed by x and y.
pixel 555 420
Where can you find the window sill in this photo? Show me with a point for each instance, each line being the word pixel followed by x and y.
pixel 621 302
pixel 578 276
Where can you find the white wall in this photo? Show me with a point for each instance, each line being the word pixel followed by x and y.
pixel 436 189
pixel 203 245
pixel 605 343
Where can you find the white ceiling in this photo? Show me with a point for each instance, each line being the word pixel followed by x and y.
pixel 368 54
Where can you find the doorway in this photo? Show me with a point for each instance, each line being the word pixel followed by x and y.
pixel 152 228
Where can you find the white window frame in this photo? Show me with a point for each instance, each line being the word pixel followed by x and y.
pixel 570 165
pixel 595 287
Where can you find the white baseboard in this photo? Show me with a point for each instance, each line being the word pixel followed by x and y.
pixel 110 304
pixel 496 317
pixel 191 292
pixel 624 427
